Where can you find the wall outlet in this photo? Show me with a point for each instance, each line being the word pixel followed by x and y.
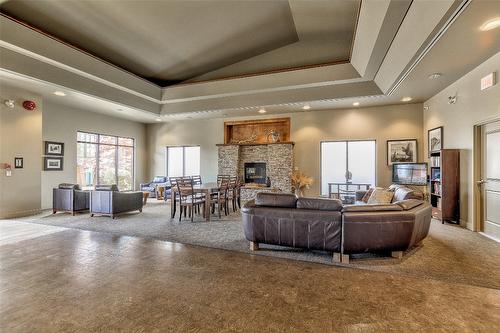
pixel 8 173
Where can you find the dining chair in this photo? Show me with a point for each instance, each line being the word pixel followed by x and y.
pixel 188 200
pixel 220 198
pixel 232 192
pixel 173 183
pixel 196 180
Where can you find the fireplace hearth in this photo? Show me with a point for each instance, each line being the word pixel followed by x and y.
pixel 255 173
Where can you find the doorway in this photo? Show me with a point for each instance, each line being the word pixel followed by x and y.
pixel 487 177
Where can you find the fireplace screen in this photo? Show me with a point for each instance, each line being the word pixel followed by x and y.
pixel 255 173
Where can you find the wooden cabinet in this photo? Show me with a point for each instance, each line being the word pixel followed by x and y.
pixel 444 184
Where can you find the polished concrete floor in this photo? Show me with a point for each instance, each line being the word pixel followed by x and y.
pixel 84 281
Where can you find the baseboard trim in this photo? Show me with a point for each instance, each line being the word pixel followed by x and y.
pixel 490 237
pixel 23 213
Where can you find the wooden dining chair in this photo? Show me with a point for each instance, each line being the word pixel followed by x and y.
pixel 219 199
pixel 196 180
pixel 173 183
pixel 188 200
pixel 232 192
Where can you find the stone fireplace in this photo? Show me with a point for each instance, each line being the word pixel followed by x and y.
pixel 273 160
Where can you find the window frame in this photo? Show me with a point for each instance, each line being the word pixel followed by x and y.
pixel 117 145
pixel 347 159
pixel 183 158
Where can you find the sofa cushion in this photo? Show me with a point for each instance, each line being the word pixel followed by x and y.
pixel 319 204
pixel 66 186
pixel 372 208
pixel 268 199
pixel 367 195
pixel 409 203
pixel 160 179
pixel 380 196
pixel 113 188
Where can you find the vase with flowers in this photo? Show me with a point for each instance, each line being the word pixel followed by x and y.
pixel 300 182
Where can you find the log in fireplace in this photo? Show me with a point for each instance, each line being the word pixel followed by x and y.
pixel 255 173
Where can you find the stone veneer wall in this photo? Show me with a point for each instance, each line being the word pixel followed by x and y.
pixel 278 159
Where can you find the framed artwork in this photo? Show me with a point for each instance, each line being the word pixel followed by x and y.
pixel 18 162
pixel 54 148
pixel 402 151
pixel 51 163
pixel 435 139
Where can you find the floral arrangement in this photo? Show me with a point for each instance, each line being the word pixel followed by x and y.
pixel 300 182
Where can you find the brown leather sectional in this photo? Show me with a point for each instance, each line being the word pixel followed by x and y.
pixel 325 224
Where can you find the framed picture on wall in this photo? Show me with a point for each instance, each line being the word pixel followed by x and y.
pixel 435 139
pixel 54 148
pixel 402 151
pixel 51 163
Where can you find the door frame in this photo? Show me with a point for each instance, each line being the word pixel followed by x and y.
pixel 477 168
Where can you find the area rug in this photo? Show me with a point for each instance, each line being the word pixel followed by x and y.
pixel 449 252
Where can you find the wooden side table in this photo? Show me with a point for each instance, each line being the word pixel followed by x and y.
pixel 160 192
pixel 145 196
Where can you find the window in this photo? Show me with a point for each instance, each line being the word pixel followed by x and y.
pixel 183 161
pixel 339 157
pixel 105 159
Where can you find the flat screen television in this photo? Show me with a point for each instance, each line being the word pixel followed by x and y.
pixel 409 173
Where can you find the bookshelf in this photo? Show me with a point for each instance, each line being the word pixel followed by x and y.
pixel 444 185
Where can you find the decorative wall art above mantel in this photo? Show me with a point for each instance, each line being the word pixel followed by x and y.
pixel 260 131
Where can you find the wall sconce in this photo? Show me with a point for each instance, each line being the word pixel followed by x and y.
pixel 426 108
pixel 452 99
pixel 9 103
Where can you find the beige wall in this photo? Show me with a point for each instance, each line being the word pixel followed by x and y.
pixel 308 129
pixel 473 106
pixel 61 123
pixel 20 136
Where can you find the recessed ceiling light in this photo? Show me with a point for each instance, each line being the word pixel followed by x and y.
pixel 306 107
pixel 355 104
pixel 490 24
pixel 158 119
pixel 434 76
pixel 406 99
pixel 59 93
pixel 262 111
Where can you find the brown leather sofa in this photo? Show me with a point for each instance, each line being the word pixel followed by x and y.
pixel 282 219
pixel 324 224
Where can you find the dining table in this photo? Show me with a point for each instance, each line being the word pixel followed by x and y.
pixel 206 188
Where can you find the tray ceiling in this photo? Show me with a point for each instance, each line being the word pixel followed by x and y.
pixel 174 41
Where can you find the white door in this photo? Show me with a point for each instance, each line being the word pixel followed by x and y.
pixel 490 180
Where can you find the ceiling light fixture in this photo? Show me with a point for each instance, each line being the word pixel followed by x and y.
pixel 434 76
pixel 158 119
pixel 59 93
pixel 406 99
pixel 490 24
pixel 355 104
pixel 262 111
pixel 306 107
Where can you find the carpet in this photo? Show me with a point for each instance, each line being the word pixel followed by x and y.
pixel 449 252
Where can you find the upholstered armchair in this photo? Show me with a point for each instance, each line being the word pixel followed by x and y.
pixel 69 198
pixel 108 201
pixel 151 186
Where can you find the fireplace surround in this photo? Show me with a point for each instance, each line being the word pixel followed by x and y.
pixel 277 158
pixel 255 172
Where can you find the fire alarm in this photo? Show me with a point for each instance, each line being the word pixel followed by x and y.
pixel 29 105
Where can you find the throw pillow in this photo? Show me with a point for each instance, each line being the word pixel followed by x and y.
pixel 367 195
pixel 380 196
